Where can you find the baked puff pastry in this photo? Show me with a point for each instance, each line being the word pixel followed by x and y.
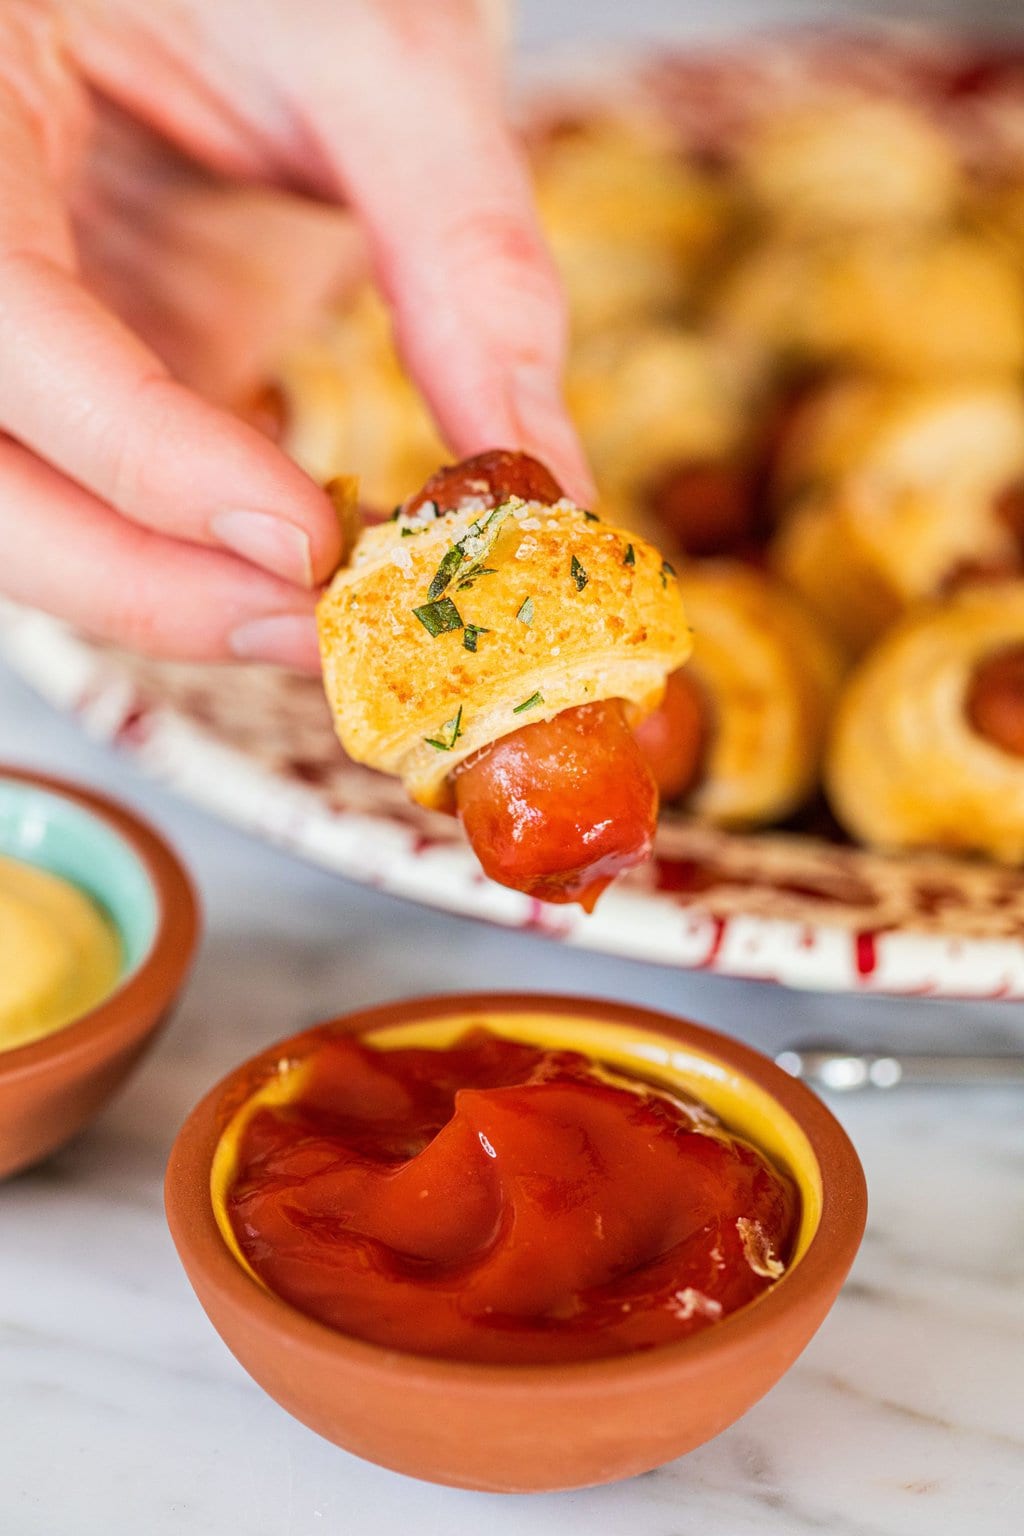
pixel 928 745
pixel 853 163
pixel 907 490
pixel 630 224
pixel 664 414
pixel 769 675
pixel 910 305
pixel 864 554
pixel 347 407
pixel 925 435
pixel 490 605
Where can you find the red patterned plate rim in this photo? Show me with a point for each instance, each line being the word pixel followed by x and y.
pixel 255 747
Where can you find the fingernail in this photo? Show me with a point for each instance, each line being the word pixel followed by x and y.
pixel 287 639
pixel 546 431
pixel 266 540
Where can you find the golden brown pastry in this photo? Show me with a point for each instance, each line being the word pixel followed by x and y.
pixel 347 407
pixel 852 163
pixel 629 222
pixel 912 489
pixel 651 395
pixel 928 745
pixel 492 617
pixel 903 435
pixel 768 675
pixel 911 305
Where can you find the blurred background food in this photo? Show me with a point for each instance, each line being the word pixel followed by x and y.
pixel 797 363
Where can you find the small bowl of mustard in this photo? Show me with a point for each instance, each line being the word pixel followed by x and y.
pixel 98 925
pixel 514 1242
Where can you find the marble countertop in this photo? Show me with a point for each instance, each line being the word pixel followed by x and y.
pixel 122 1413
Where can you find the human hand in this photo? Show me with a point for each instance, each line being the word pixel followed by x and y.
pixel 131 505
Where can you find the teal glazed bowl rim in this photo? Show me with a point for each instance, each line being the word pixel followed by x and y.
pixel 150 899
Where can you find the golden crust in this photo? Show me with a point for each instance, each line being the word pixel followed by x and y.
pixel 629 223
pixel 350 409
pixel 851 164
pixel 771 676
pixel 904 768
pixel 652 395
pixel 913 306
pixel 925 435
pixel 863 554
pixel 393 686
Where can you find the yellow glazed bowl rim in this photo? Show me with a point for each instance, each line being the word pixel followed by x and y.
pixel 752 1095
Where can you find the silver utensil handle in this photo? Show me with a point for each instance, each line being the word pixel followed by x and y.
pixel 841 1070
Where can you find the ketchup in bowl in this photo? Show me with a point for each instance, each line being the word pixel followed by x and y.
pixel 501 1201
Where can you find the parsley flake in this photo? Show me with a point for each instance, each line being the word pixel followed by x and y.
pixel 474 545
pixel 449 734
pixel 450 563
pixel 666 571
pixel 472 575
pixel 525 614
pixel 591 517
pixel 470 633
pixel 579 575
pixel 629 558
pixel 530 703
pixel 438 618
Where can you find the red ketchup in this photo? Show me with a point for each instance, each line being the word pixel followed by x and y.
pixel 500 1202
pixel 560 807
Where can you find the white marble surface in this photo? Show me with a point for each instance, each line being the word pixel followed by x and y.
pixel 122 1414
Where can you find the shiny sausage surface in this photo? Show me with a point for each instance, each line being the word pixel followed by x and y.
pixel 995 699
pixel 492 477
pixel 559 808
pixel 673 738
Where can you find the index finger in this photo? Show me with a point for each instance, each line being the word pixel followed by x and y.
pixel 480 313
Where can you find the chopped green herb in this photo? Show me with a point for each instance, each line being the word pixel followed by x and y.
pixel 450 563
pixel 438 618
pixel 629 558
pixel 525 614
pixel 408 532
pixel 473 545
pixel 470 633
pixel 472 575
pixel 530 703
pixel 396 514
pixel 579 575
pixel 591 517
pixel 449 734
pixel 666 571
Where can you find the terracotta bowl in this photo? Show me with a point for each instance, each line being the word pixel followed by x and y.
pixel 509 1428
pixel 51 1088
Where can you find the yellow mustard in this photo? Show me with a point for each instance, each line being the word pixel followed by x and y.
pixel 59 954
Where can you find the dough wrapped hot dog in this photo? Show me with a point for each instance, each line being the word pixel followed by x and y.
pixel 630 224
pixel 912 489
pixel 343 405
pixel 739 736
pixel 493 607
pixel 848 165
pixel 904 305
pixel 928 744
pixel 664 414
